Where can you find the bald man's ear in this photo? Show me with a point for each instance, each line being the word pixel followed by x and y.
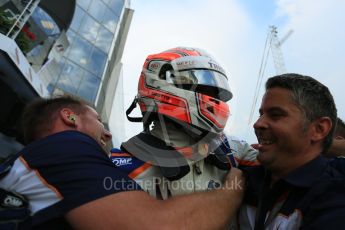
pixel 321 128
pixel 68 117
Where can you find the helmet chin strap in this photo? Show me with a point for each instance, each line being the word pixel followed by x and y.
pixel 146 119
pixel 130 109
pixel 136 119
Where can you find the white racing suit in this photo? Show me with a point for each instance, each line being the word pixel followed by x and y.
pixel 198 175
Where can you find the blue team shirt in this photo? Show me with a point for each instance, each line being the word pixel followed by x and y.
pixel 311 197
pixel 63 171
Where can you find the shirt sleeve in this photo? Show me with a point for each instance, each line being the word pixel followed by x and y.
pixel 243 152
pixel 330 215
pixel 327 210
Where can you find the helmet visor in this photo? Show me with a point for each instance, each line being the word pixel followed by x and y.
pixel 203 81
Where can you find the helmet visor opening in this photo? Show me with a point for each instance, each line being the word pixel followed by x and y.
pixel 203 81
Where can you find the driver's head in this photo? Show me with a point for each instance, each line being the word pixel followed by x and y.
pixel 186 86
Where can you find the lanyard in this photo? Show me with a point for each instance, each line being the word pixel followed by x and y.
pixel 268 197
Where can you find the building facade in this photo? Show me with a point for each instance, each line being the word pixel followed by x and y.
pixel 54 47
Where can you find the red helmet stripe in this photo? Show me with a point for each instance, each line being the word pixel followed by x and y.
pixel 185 52
pixel 214 110
pixel 170 55
pixel 167 104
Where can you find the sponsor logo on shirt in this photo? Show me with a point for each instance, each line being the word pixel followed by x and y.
pixel 11 201
pixel 119 161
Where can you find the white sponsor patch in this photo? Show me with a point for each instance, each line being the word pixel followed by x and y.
pixel 154 65
pixel 196 62
pixel 122 161
pixel 12 201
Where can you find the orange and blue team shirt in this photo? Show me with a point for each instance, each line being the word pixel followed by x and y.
pixel 129 164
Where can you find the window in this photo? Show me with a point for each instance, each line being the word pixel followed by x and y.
pixel 45 22
pixel 89 29
pixel 79 14
pixel 84 3
pixel 104 39
pixel 51 73
pixel 116 6
pixel 110 20
pixel 89 87
pixel 70 77
pixel 97 62
pixel 97 10
pixel 80 51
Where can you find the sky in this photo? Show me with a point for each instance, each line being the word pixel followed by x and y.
pixel 234 33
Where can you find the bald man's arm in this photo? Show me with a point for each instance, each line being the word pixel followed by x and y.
pixel 136 209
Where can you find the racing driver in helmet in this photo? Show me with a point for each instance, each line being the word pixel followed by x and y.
pixel 182 94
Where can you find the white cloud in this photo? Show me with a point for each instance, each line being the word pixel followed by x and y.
pixel 316 46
